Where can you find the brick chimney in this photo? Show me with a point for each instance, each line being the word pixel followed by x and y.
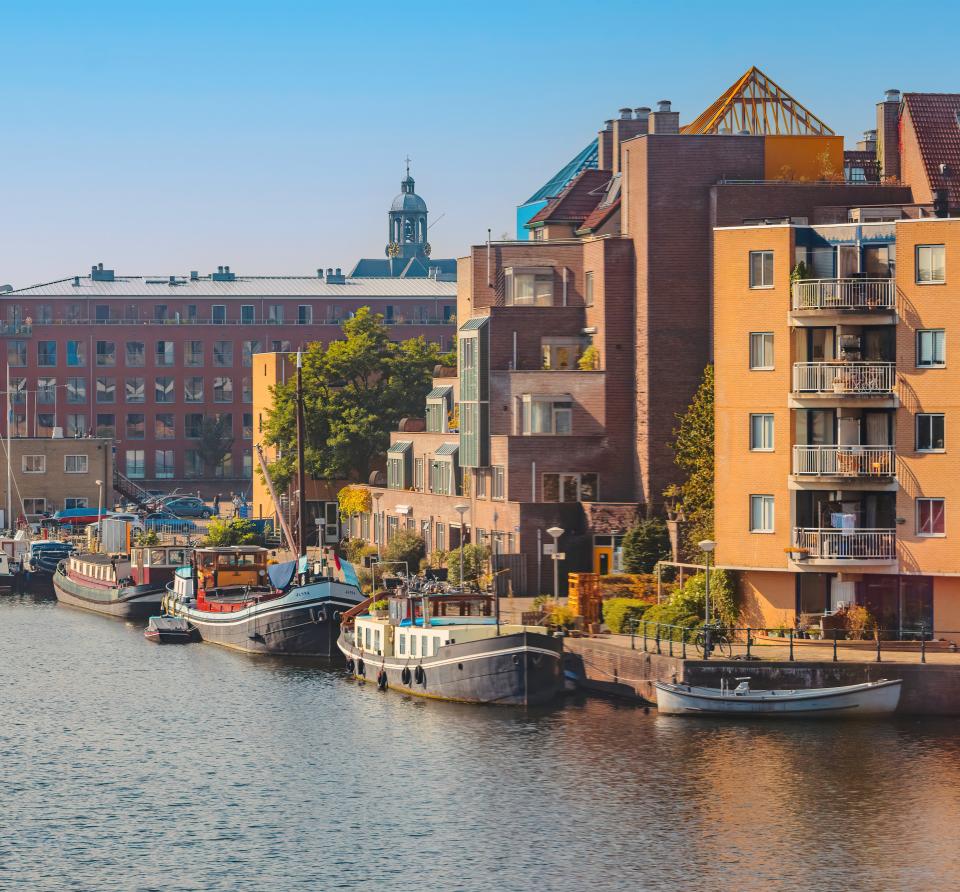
pixel 664 120
pixel 625 127
pixel 888 135
pixel 605 146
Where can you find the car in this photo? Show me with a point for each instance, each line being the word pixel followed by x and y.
pixel 188 506
pixel 164 522
pixel 136 525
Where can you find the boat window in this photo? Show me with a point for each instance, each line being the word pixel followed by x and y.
pixel 209 561
pixel 176 556
pixel 403 644
pixel 436 646
pixel 376 641
pixel 227 561
pixel 413 645
pixel 158 557
pixel 135 557
pixel 367 637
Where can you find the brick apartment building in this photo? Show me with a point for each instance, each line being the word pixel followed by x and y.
pixel 621 259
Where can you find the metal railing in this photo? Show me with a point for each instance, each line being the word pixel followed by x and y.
pixel 844 378
pixel 844 294
pixel 844 461
pixel 396 320
pixel 853 544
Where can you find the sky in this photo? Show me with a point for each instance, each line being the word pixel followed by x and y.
pixel 161 137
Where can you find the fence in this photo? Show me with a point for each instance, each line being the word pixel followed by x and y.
pixel 852 461
pixel 827 543
pixel 844 377
pixel 844 294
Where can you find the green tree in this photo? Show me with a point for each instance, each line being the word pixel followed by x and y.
pixel 216 441
pixel 476 559
pixel 236 531
pixel 406 547
pixel 356 390
pixel 693 454
pixel 645 543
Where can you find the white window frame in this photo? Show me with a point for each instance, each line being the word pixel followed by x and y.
pixel 924 265
pixel 84 470
pixel 927 418
pixel 763 337
pixel 767 513
pixel 933 332
pixel 766 270
pixel 539 278
pixel 561 407
pixel 42 469
pixel 37 502
pixel 213 314
pixel 943 503
pixel 304 318
pixel 766 423
pixel 78 502
pixel 253 314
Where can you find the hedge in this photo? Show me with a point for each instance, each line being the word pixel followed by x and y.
pixel 617 612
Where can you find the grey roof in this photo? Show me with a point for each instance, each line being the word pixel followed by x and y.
pixel 400 446
pixel 159 288
pixel 409 203
pixel 405 267
pixel 447 449
pixel 475 323
pixel 441 391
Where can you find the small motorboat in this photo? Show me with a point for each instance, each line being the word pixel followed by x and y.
pixel 169 630
pixel 871 698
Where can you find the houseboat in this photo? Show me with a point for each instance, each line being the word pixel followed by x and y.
pixel 450 645
pixel 14 555
pixel 234 598
pixel 128 588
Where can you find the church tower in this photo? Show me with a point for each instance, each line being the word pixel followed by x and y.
pixel 407 236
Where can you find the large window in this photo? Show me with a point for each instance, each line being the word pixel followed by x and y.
pixel 218 314
pixel 560 354
pixel 761 514
pixel 76 464
pixel 498 487
pixel 76 390
pixel 275 314
pixel 570 487
pixel 761 350
pixel 34 464
pixel 193 390
pixel 163 389
pixel 134 464
pixel 930 432
pixel 135 390
pixel 247 426
pixel 193 463
pixel 16 354
pixel 76 424
pixel 761 269
pixel 304 314
pixel 193 425
pixel 163 426
pixel 136 426
pixel 33 506
pixel 165 353
pixel 76 354
pixel 45 424
pixel 223 390
pixel 223 354
pixel 106 425
pixel 193 354
pixel 930 517
pixel 546 415
pixel 163 464
pixel 106 390
pixel 247 351
pixel 135 354
pixel 931 264
pixel 46 354
pixel 46 391
pixel 761 433
pixel 106 354
pixel 931 343
pixel 246 390
pixel 247 314
pixel 529 287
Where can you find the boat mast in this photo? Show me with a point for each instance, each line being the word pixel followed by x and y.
pixel 9 523
pixel 301 491
pixel 273 495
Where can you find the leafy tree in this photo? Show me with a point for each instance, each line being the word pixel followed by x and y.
pixel 407 547
pixel 231 532
pixel 691 599
pixel 356 390
pixel 693 454
pixel 476 559
pixel 216 441
pixel 645 543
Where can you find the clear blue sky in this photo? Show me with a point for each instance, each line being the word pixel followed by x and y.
pixel 163 137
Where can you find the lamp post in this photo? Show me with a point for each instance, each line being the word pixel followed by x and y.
pixel 707 546
pixel 378 527
pixel 461 510
pixel 99 513
pixel 555 533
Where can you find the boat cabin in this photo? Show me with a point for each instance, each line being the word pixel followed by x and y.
pixel 230 567
pixel 146 566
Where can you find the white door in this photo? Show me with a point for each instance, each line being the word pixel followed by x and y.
pixel 331 523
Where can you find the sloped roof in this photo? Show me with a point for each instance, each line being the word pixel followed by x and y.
pixel 578 200
pixel 609 204
pixel 757 104
pixel 586 158
pixel 936 122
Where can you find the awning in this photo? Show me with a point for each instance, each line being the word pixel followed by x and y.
pixel 475 323
pixel 439 392
pixel 447 449
pixel 400 446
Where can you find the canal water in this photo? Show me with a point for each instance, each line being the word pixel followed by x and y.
pixel 128 765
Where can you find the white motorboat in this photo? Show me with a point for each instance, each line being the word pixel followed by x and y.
pixel 871 698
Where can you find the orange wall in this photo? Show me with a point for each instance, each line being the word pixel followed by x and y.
pixel 767 600
pixel 799 155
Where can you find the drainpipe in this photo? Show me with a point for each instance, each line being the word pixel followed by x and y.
pixel 489 280
pixel 533 481
pixel 514 351
pixel 564 286
pixel 539 561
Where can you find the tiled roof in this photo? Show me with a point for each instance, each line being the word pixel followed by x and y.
pixel 159 288
pixel 578 199
pixel 600 215
pixel 936 123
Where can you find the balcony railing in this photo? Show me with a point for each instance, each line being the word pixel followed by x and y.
pixel 856 378
pixel 863 295
pixel 844 461
pixel 857 544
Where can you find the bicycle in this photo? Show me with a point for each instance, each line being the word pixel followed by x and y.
pixel 719 642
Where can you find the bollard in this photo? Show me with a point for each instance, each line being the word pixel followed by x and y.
pixel 834 647
pixel 644 636
pixel 923 645
pixel 657 638
pixel 633 635
pixel 749 642
pixel 683 643
pixel 790 633
pixel 706 643
pixel 671 641
pixel 878 646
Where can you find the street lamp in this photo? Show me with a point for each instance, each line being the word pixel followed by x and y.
pixel 461 510
pixel 378 527
pixel 556 533
pixel 99 513
pixel 707 546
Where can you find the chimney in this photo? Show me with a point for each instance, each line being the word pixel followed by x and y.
pixel 888 136
pixel 319 273
pixel 226 269
pixel 663 120
pixel 627 127
pixel 605 146
pixel 219 269
pixel 194 275
pixel 869 141
pixel 76 281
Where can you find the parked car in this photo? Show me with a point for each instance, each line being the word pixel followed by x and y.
pixel 136 524
pixel 187 506
pixel 163 521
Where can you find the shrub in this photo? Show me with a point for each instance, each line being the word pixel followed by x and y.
pixel 857 621
pixel 645 543
pixel 236 531
pixel 475 561
pixel 561 615
pixel 674 620
pixel 691 599
pixel 405 547
pixel 589 360
pixel 355 550
pixel 619 612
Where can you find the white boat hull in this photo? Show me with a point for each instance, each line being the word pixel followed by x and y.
pixel 851 701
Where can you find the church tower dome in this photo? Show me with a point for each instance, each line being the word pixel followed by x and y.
pixel 407 221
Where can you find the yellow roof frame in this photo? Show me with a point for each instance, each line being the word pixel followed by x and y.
pixel 757 104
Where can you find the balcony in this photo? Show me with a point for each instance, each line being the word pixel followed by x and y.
pixel 844 378
pixel 826 545
pixel 844 461
pixel 844 295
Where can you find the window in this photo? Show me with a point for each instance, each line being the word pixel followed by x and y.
pixel 163 464
pixel 761 350
pixel 135 354
pixel 75 502
pixel 163 426
pixel 570 487
pixel 44 313
pixel 225 468
pixel 588 289
pixel 45 424
pixel 106 354
pixel 106 390
pixel 34 464
pixel 480 483
pixel 46 354
pixel 418 474
pixel 76 354
pixel 930 348
pixel 546 415
pixel 160 312
pixel 193 354
pixel 34 506
pixel 931 265
pixel 223 354
pixel 930 433
pixel 193 390
pixel 218 314
pixel 761 433
pixel 101 313
pixel 246 390
pixel 761 514
pixel 761 269
pixel 76 390
pixel 560 354
pixel 135 390
pixel 275 314
pixel 247 314
pixel 46 391
pixel 930 517
pixel 223 390
pixel 76 464
pixel 304 314
pixel 529 288
pixel 163 389
pixel 247 351
pixel 17 354
pixel 134 463
pixel 193 424
pixel 18 387
pixel 165 353
pixel 247 469
pixel 280 346
pixel 499 488
pixel 191 313
pixel 106 426
pixel 136 426
pixel 246 430
pixel 76 425
pixel 193 464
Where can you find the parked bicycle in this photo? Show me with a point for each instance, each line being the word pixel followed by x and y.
pixel 713 639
